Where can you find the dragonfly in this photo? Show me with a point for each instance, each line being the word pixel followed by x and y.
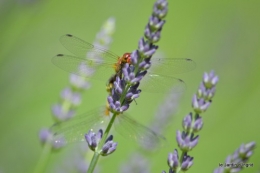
pixel 159 77
pixel 104 62
pixel 74 130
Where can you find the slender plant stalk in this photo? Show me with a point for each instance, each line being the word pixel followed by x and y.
pixel 41 165
pixel 107 130
pixel 93 162
pixel 96 155
pixel 100 145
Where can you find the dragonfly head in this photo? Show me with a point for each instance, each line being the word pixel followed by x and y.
pixel 126 58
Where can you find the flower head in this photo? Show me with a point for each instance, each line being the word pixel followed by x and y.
pixel 125 88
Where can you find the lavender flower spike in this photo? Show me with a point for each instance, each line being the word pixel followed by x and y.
pixel 125 88
pixel 192 124
pixel 237 161
pixel 202 100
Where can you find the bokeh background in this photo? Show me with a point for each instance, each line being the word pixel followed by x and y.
pixel 220 35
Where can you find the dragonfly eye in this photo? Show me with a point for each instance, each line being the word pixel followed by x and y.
pixel 127 57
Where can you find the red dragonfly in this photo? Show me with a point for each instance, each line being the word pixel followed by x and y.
pixel 105 63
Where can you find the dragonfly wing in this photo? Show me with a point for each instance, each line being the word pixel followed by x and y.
pixel 130 128
pixel 84 49
pixel 83 67
pixel 154 83
pixel 74 130
pixel 170 66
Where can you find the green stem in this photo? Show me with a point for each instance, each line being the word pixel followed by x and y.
pixel 100 145
pixel 104 138
pixel 124 94
pixel 41 165
pixel 182 156
pixel 180 161
pixel 93 162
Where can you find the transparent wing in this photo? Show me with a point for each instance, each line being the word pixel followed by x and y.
pixel 84 67
pixel 86 50
pixel 154 83
pixel 74 130
pixel 171 66
pixel 131 129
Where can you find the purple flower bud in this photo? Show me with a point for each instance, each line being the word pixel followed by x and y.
pixel 135 96
pixel 199 105
pixel 201 91
pixel 117 104
pixel 160 9
pixel 91 140
pixel 186 142
pixel 143 64
pixel 152 36
pixel 162 3
pixel 131 76
pixel 142 46
pixel 129 95
pixel 245 151
pixel 150 52
pixel 99 135
pixel 118 85
pixel 173 160
pixel 186 123
pixel 208 95
pixel 155 23
pixel 187 163
pixel 109 147
pixel 134 56
pixel 210 79
pixel 145 48
pixel 197 125
pixel 147 66
pixel 124 107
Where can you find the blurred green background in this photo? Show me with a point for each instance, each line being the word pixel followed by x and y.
pixel 220 35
